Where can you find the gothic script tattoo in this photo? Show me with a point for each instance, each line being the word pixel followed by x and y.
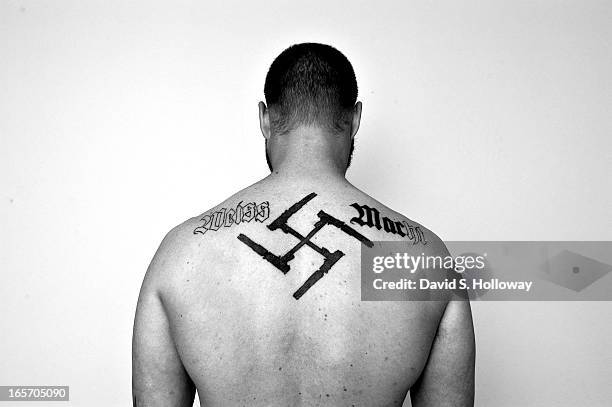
pixel 227 217
pixel 282 262
pixel 370 217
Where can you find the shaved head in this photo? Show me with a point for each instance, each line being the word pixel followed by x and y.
pixel 310 84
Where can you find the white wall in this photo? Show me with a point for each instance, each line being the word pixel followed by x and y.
pixel 484 120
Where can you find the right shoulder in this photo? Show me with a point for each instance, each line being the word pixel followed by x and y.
pixel 173 252
pixel 208 232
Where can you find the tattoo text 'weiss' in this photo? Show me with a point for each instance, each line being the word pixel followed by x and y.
pixel 227 217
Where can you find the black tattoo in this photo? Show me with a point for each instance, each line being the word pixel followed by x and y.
pixel 227 217
pixel 370 217
pixel 282 262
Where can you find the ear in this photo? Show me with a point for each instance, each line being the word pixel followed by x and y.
pixel 356 119
pixel 264 120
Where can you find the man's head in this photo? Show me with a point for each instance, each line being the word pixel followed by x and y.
pixel 310 85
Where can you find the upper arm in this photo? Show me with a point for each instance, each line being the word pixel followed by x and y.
pixel 158 375
pixel 448 376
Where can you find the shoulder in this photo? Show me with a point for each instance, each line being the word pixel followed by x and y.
pixel 173 252
pixel 390 225
pixel 199 239
pixel 387 225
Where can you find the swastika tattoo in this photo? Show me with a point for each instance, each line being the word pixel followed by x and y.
pixel 370 217
pixel 282 262
pixel 227 217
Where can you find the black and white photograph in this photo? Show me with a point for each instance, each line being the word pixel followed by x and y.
pixel 322 203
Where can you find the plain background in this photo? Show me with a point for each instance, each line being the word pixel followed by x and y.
pixel 483 120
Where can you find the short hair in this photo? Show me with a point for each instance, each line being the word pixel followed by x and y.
pixel 310 84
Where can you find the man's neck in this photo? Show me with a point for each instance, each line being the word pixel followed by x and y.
pixel 309 153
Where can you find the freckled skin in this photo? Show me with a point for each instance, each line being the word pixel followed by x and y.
pixel 241 338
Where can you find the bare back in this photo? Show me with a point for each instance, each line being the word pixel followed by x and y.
pixel 262 300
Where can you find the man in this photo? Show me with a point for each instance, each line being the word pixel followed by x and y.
pixel 256 302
